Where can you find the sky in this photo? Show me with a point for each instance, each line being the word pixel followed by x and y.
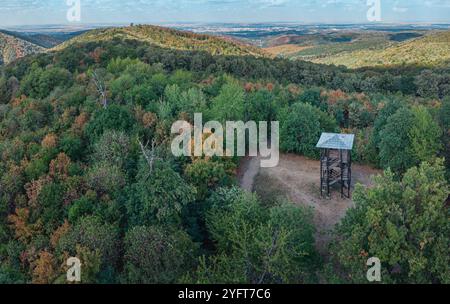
pixel 35 12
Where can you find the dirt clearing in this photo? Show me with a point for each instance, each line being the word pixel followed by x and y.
pixel 298 179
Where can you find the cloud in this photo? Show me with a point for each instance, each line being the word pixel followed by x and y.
pixel 398 8
pixel 48 11
pixel 149 4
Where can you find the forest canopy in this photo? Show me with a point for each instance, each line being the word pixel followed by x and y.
pixel 78 126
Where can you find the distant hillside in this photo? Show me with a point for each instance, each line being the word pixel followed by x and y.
pixel 12 48
pixel 43 40
pixel 431 50
pixel 48 40
pixel 169 38
pixel 285 50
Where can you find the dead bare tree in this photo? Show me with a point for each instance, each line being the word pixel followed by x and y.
pixel 149 155
pixel 101 88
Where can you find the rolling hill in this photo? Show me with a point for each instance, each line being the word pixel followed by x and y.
pixel 12 48
pixel 169 38
pixel 429 51
pixel 16 45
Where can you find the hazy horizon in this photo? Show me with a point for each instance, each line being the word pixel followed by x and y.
pixel 46 12
pixel 227 27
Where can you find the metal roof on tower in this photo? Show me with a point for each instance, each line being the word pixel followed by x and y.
pixel 336 141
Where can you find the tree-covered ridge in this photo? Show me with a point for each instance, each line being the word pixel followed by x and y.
pixel 86 168
pixel 428 51
pixel 169 38
pixel 12 48
pixel 331 44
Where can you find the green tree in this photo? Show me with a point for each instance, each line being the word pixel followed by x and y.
pixel 313 97
pixel 256 245
pixel 390 108
pixel 155 256
pixel 71 145
pixel 260 106
pixel 113 148
pixel 395 143
pixel 190 101
pixel 427 84
pixel 425 135
pixel 94 235
pixel 105 178
pixel 444 121
pixel 117 66
pixel 182 78
pixel 5 93
pixel 206 176
pixel 39 83
pixel 51 200
pixel 229 104
pixel 121 88
pixel 114 117
pixel 301 127
pixel 159 196
pixel 82 207
pixel 404 224
pixel 409 137
pixel 10 267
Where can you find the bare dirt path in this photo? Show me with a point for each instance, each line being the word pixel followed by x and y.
pixel 297 178
pixel 248 170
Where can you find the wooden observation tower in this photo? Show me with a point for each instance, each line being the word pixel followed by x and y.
pixel 336 162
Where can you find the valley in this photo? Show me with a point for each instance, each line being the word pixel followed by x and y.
pixel 353 46
pixel 12 48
